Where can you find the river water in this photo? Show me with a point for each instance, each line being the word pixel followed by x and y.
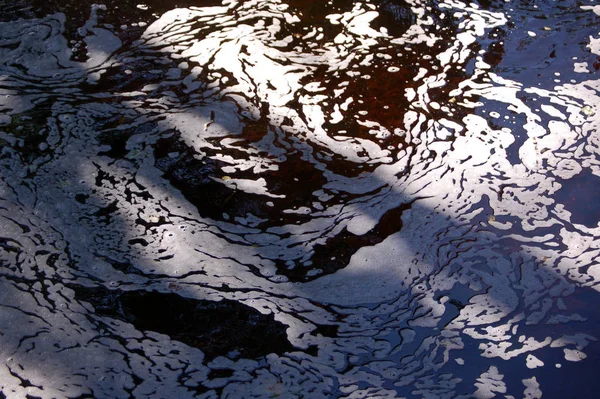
pixel 299 199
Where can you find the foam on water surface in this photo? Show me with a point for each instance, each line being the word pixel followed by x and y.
pixel 377 187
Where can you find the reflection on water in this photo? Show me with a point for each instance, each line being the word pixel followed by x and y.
pixel 268 199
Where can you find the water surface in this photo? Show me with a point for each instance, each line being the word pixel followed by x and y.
pixel 299 199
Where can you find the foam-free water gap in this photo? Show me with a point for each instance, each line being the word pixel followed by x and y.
pixel 578 195
pixel 217 328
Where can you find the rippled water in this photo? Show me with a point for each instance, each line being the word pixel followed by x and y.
pixel 299 199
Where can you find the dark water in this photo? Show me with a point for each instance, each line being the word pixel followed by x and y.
pixel 389 199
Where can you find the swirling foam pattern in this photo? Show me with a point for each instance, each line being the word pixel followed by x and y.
pixel 385 200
